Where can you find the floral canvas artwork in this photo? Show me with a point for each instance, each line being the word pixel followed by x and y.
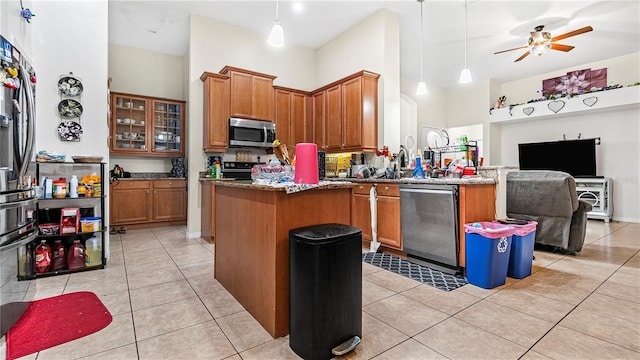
pixel 575 82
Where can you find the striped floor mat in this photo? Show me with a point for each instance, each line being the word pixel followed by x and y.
pixel 413 271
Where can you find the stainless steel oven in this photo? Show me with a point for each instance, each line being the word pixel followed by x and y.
pixel 238 170
pixel 251 133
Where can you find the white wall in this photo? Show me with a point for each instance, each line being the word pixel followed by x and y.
pixel 618 157
pixel 468 104
pixel 148 73
pixel 213 45
pixel 87 58
pixel 374 45
pixel 14 27
pixel 431 110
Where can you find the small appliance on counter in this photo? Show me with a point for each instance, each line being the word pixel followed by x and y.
pixel 238 169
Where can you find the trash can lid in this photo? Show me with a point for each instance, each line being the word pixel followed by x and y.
pixel 324 233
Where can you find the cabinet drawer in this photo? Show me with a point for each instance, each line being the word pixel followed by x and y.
pixel 362 189
pixel 388 190
pixel 169 184
pixel 130 184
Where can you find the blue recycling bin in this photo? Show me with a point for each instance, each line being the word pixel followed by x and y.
pixel 488 247
pixel 521 256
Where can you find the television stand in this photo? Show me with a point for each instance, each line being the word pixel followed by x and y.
pixel 597 192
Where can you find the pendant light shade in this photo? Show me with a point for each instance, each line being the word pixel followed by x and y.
pixel 422 86
pixel 465 75
pixel 276 36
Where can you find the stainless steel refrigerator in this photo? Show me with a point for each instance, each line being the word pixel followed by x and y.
pixel 17 196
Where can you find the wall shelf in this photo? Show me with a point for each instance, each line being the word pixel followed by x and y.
pixel 601 101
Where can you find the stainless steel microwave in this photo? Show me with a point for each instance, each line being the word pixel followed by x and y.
pixel 251 133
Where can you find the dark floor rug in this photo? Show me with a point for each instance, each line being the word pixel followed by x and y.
pixel 413 271
pixel 56 320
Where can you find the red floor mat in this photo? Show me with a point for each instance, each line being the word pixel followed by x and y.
pixel 56 320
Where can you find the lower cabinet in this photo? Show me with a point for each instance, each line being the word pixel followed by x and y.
pixel 152 202
pixel 388 214
pixel 207 210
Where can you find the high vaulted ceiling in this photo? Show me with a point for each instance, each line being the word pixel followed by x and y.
pixel 163 26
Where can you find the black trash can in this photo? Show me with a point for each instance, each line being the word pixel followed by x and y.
pixel 325 288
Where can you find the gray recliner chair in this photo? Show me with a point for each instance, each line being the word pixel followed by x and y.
pixel 550 198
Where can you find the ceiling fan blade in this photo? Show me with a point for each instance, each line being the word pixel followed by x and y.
pixel 561 47
pixel 521 47
pixel 572 33
pixel 522 57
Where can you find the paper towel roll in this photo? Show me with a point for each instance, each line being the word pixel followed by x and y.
pixel 306 164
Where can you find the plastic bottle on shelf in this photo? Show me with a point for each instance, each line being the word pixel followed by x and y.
pixel 59 260
pixel 43 257
pixel 76 256
pixel 93 252
pixel 73 187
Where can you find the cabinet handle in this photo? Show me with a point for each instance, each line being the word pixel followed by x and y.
pixel 170 183
pixel 155 192
pixel 147 191
pixel 130 184
pixel 361 187
pixel 386 188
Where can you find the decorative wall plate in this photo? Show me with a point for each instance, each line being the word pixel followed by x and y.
pixel 70 130
pixel 590 101
pixel 70 86
pixel 528 110
pixel 69 108
pixel 437 139
pixel 556 105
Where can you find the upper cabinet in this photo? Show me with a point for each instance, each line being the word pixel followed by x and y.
pixel 252 94
pixel 293 116
pixel 346 114
pixel 216 89
pixel 146 126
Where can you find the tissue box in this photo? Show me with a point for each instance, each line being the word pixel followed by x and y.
pixel 69 220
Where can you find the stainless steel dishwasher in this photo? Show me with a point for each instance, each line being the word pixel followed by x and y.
pixel 429 216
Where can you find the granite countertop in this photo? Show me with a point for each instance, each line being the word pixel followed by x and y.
pixel 248 184
pixel 443 181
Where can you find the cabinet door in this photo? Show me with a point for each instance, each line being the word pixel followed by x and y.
pixel 216 113
pixel 167 128
pixel 369 106
pixel 169 204
pixel 283 116
pixel 299 118
pixel 352 113
pixel 262 100
pixel 319 120
pixel 389 221
pixel 361 215
pixel 334 118
pixel 129 124
pixel 241 95
pixel 130 205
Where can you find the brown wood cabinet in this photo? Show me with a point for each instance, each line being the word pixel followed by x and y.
pixel 292 111
pixel 388 214
pixel 251 94
pixel 146 126
pixel 207 210
pixel 349 118
pixel 216 112
pixel 137 202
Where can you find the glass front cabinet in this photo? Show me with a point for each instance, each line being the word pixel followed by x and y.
pixel 146 126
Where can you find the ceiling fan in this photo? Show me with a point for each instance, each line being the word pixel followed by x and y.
pixel 541 41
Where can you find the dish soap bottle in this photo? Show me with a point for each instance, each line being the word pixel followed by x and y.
pixel 418 171
pixel 218 170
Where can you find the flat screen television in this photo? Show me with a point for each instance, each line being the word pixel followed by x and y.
pixel 575 157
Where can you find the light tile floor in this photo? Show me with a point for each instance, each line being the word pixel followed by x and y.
pixel 165 303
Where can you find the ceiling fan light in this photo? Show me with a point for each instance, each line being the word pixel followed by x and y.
pixel 422 88
pixel 276 37
pixel 465 76
pixel 539 48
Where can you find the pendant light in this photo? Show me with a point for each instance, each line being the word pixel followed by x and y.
pixel 422 87
pixel 276 37
pixel 465 75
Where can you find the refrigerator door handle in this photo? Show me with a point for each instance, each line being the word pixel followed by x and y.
pixel 21 241
pixel 28 121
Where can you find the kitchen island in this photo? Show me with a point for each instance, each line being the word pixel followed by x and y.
pixel 252 224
